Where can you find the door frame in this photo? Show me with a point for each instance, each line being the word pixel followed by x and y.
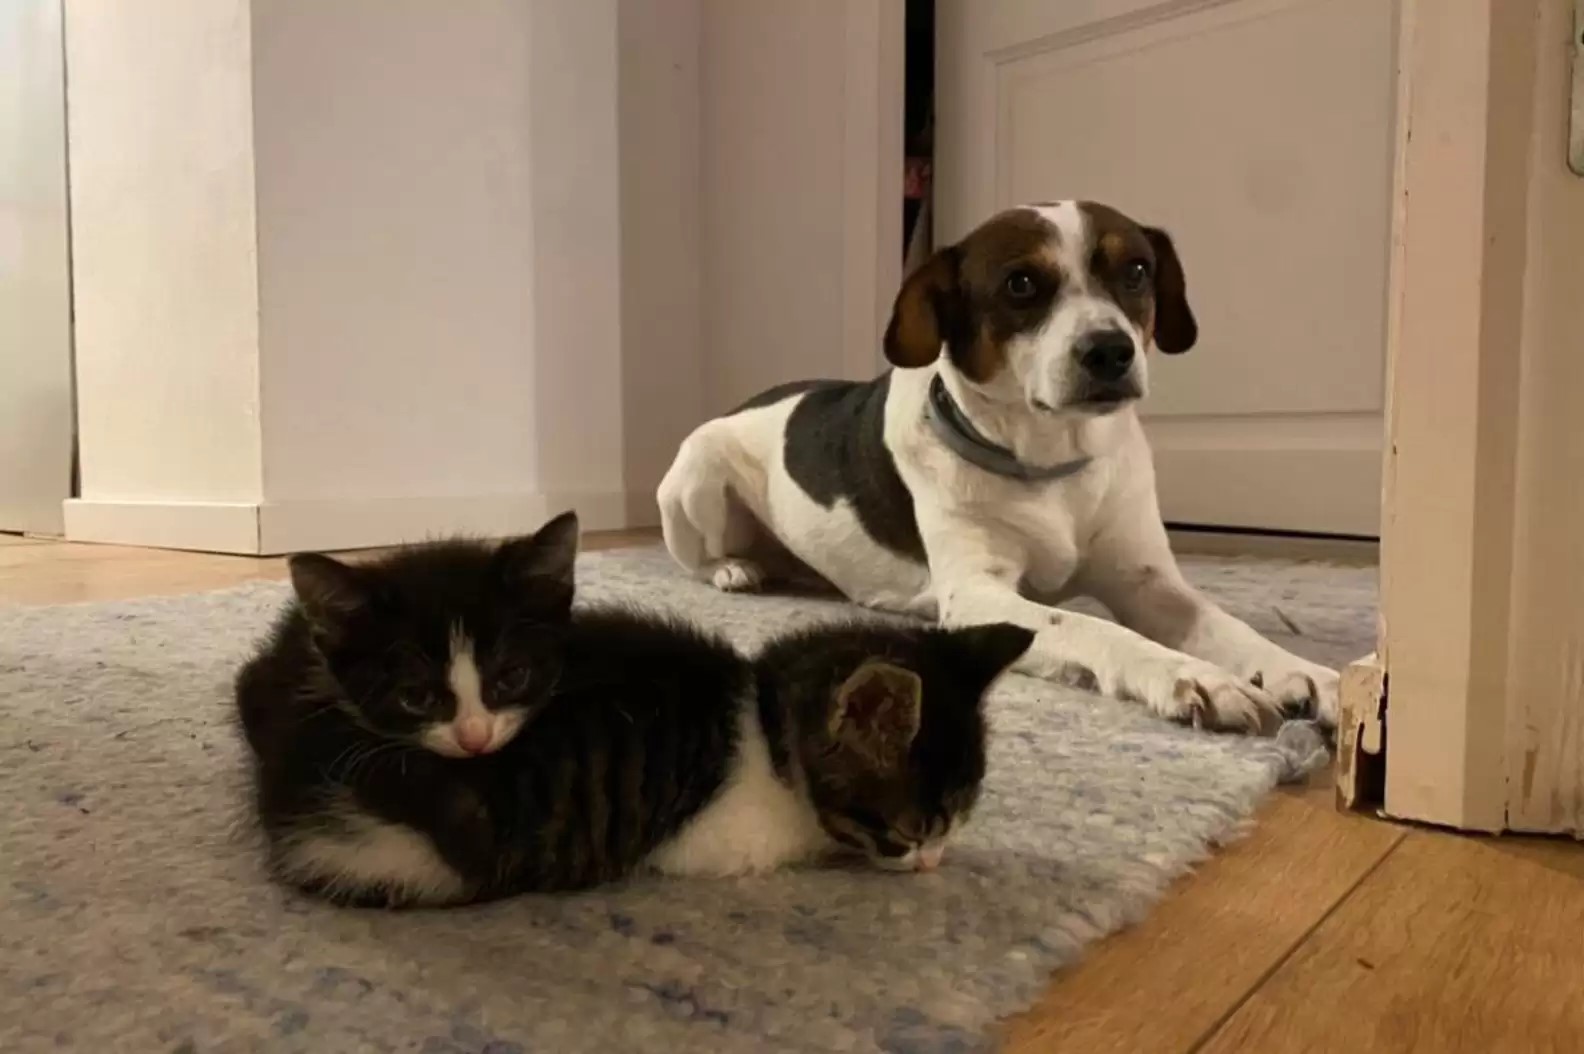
pixel 37 424
pixel 1472 715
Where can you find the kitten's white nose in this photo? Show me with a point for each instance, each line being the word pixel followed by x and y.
pixel 473 726
pixel 473 735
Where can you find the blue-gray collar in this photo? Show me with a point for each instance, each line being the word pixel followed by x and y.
pixel 948 421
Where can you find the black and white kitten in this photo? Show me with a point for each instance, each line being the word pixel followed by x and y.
pixel 440 727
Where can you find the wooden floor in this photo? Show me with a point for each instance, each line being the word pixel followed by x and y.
pixel 1316 932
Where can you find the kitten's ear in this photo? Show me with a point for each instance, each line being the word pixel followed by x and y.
pixel 544 559
pixel 988 650
pixel 877 712
pixel 329 591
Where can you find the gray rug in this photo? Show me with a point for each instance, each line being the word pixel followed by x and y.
pixel 134 915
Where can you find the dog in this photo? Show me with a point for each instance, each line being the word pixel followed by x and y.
pixel 997 470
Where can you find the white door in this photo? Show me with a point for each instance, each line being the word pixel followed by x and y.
pixel 35 277
pixel 1260 134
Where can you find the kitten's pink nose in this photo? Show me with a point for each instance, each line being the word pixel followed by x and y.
pixel 473 736
pixel 929 857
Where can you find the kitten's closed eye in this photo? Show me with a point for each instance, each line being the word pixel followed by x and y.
pixel 917 831
pixel 869 832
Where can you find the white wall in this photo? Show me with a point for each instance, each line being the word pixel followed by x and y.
pixel 35 275
pixel 397 267
pixel 663 363
pixel 160 129
pixel 771 168
pixel 1481 567
pixel 396 248
pixel 475 299
pixel 379 270
pixel 802 189
pixel 577 234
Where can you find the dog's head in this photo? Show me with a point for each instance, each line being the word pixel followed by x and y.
pixel 1052 305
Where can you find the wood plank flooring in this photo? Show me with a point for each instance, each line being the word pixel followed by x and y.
pixel 1316 932
pixel 1171 980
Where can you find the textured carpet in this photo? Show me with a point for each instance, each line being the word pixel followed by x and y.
pixel 134 915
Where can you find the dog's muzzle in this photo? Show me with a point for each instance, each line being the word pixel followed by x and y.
pixel 1105 364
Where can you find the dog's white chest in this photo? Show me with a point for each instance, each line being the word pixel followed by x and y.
pixel 1053 557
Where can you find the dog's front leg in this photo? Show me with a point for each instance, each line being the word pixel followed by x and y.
pixel 979 586
pixel 1136 576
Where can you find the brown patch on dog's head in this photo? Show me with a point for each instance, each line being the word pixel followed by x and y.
pixel 1156 298
pixel 975 296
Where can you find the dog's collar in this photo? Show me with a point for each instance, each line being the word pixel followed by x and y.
pixel 949 423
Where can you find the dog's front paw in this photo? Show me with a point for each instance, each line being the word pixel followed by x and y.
pixel 1302 688
pixel 1198 693
pixel 736 575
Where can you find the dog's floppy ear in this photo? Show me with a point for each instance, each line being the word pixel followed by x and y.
pixel 921 318
pixel 1175 328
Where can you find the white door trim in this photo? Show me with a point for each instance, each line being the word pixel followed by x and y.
pixel 36 389
pixel 1482 573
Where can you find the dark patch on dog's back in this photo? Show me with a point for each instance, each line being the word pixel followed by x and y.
pixel 780 392
pixel 835 448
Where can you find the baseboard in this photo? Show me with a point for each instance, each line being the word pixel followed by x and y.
pixel 211 527
pixel 294 526
pixel 1254 489
pixel 1355 552
pixel 273 528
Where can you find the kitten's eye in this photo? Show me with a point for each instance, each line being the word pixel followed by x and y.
pixel 1020 285
pixel 1135 276
pixel 513 682
pixel 892 845
pixel 417 703
pixel 960 804
pixel 886 839
pixel 850 838
pixel 869 821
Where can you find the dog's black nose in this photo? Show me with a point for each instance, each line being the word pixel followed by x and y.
pixel 1106 354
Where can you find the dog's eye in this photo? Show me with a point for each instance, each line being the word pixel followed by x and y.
pixel 1020 285
pixel 1135 276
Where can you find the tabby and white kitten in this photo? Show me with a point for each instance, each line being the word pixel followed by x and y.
pixel 439 727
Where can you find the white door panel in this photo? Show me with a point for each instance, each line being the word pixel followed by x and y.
pixel 1259 132
pixel 35 278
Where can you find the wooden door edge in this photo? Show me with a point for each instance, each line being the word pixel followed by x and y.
pixel 1361 737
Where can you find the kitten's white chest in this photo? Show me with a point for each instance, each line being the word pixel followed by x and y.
pixel 755 822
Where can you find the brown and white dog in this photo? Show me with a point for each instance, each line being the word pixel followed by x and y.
pixel 997 470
